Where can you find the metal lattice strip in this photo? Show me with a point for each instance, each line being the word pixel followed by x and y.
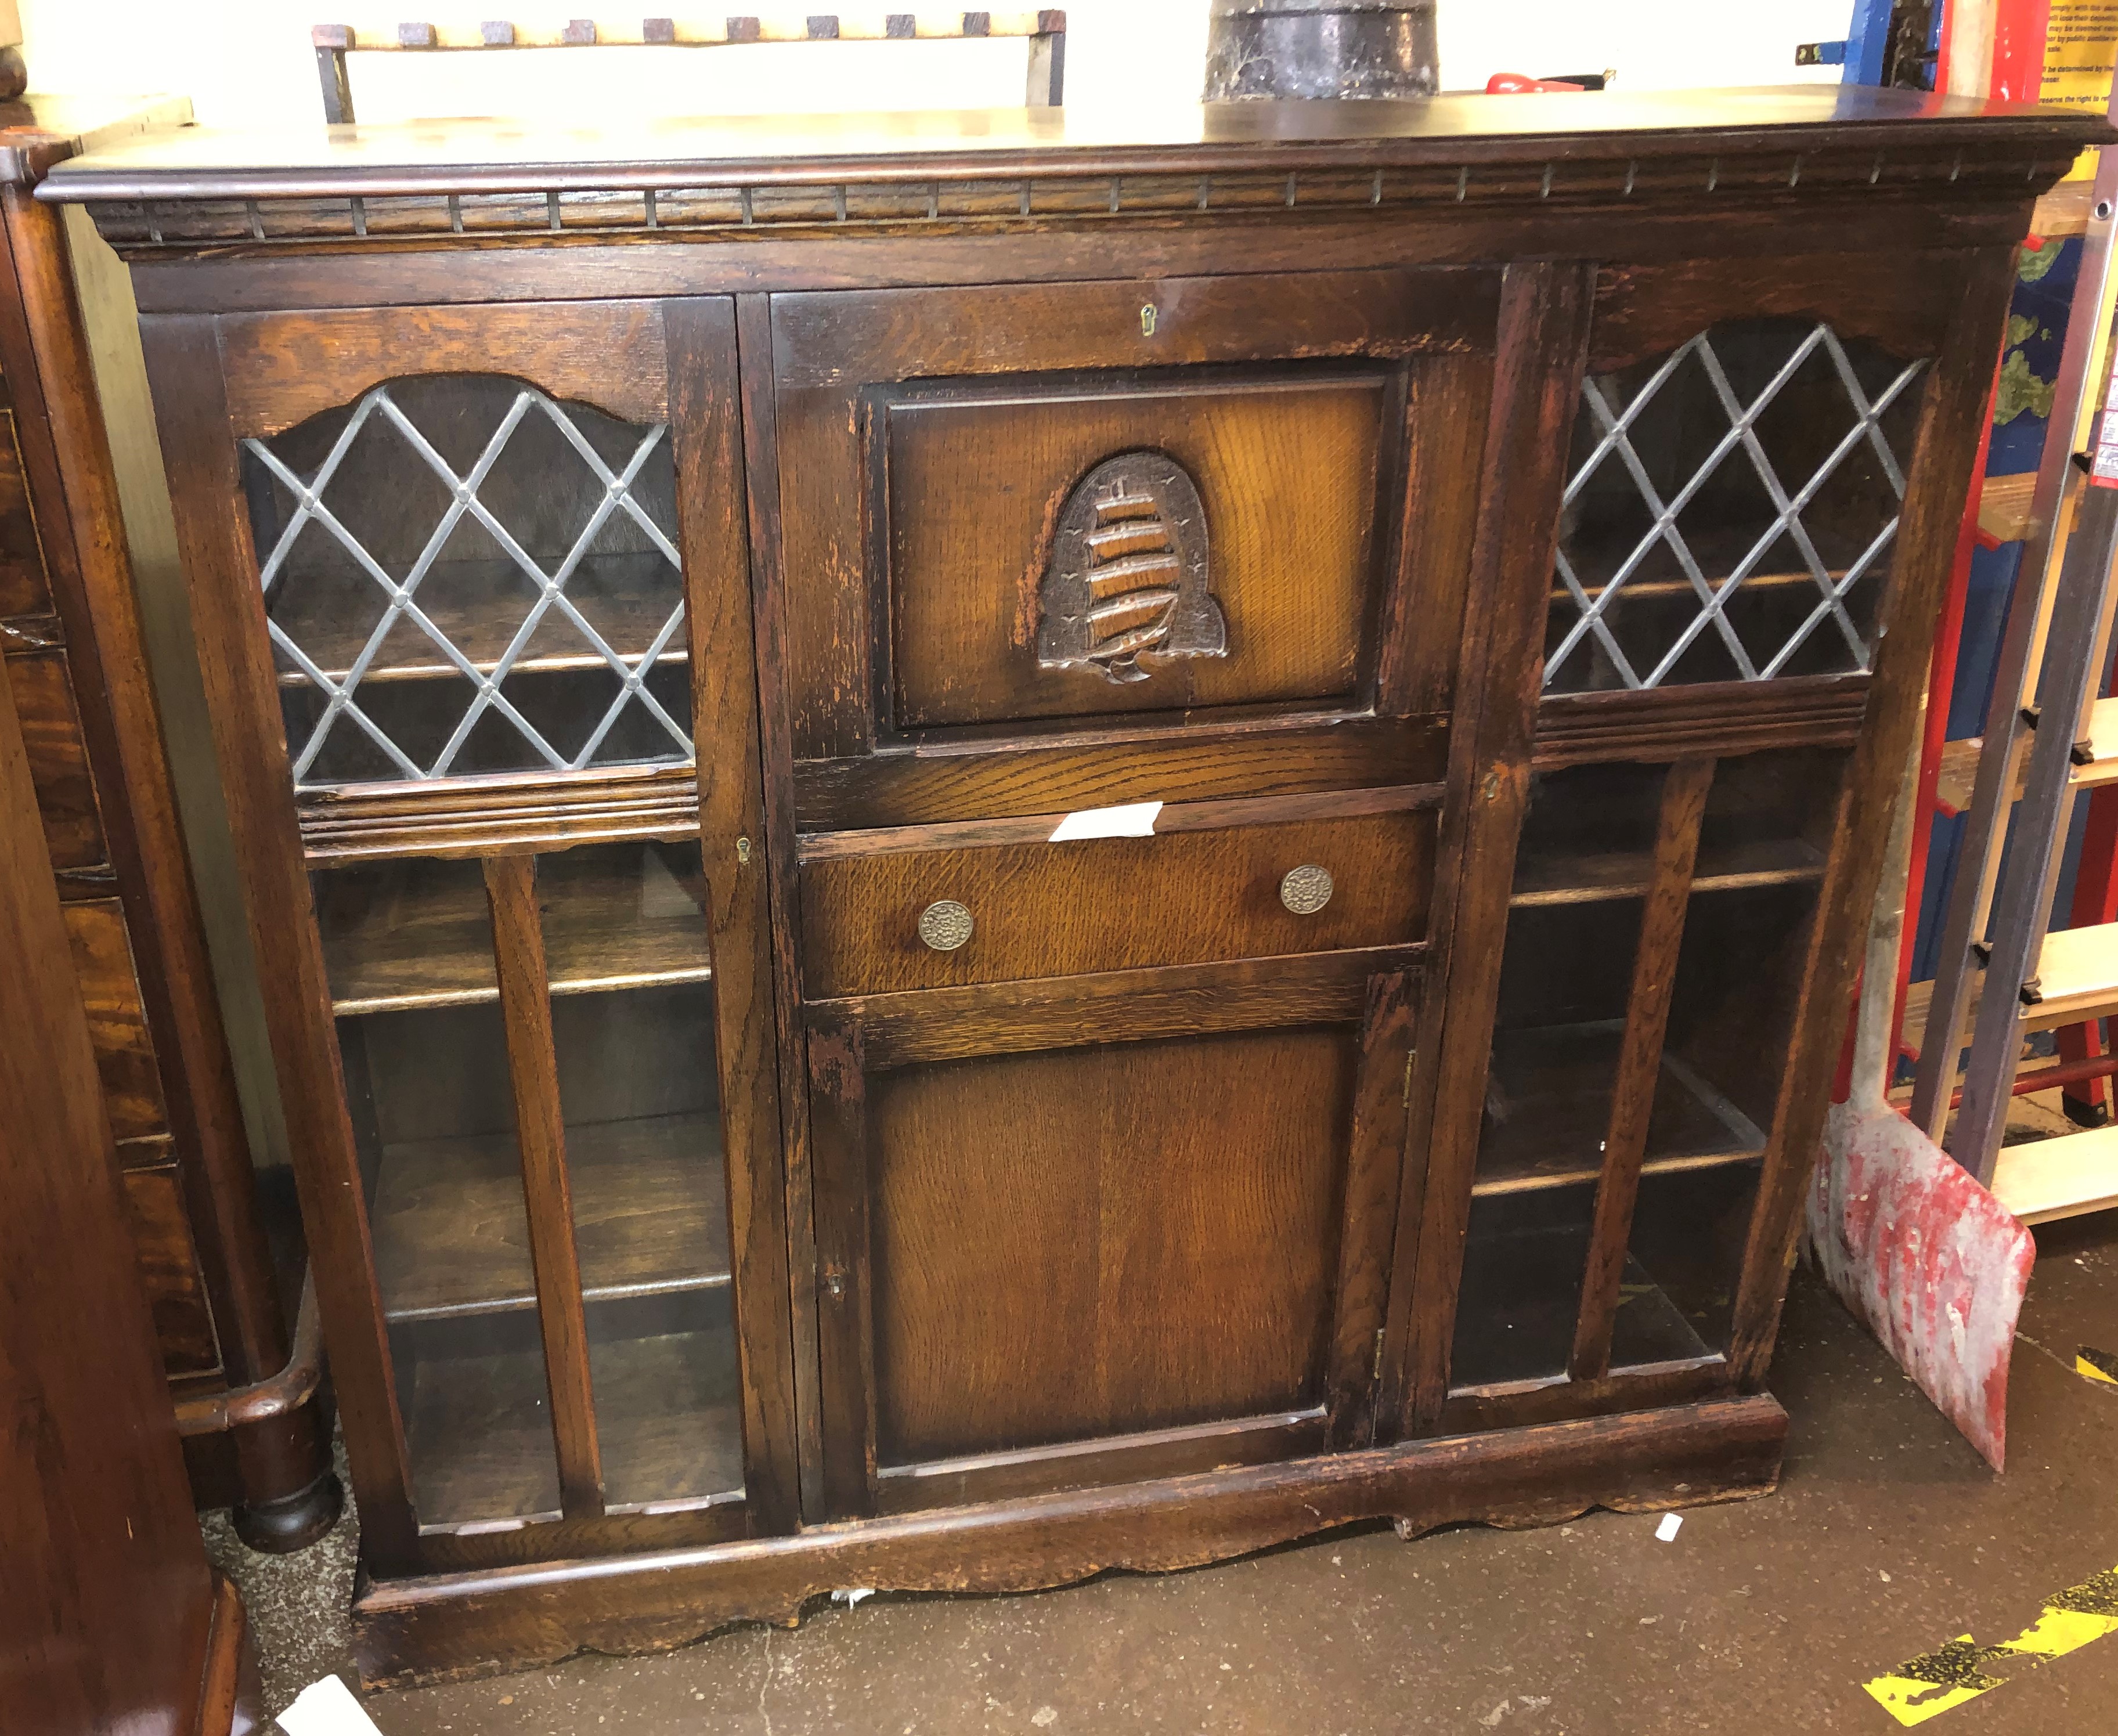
pixel 1616 425
pixel 402 596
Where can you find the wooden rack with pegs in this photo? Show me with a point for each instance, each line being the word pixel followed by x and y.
pixel 1044 30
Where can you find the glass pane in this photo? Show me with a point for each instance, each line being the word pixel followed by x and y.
pixel 1524 1261
pixel 464 575
pixel 628 947
pixel 1685 1253
pixel 1582 869
pixel 1731 510
pixel 409 949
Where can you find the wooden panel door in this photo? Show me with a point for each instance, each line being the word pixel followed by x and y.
pixel 1091 1228
pixel 474 588
pixel 1210 534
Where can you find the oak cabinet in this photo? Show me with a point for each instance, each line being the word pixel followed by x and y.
pixel 1004 856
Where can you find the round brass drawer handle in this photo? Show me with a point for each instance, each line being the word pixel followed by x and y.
pixel 945 925
pixel 1306 890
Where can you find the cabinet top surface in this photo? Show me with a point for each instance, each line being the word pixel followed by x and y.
pixel 40 129
pixel 192 162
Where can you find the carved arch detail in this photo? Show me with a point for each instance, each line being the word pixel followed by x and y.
pixel 1127 577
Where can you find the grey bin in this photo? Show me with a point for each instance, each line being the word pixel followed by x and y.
pixel 1319 48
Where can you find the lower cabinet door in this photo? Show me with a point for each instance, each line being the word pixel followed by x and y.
pixel 1062 1247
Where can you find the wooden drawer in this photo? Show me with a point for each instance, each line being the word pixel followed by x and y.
pixel 170 1271
pixel 117 1024
pixel 24 590
pixel 58 759
pixel 1206 887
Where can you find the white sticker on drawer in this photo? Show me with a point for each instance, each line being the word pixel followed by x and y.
pixel 1134 820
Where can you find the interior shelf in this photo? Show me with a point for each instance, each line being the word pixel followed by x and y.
pixel 649 1217
pixel 668 1422
pixel 479 605
pixel 1516 1325
pixel 1576 878
pixel 1548 1107
pixel 425 938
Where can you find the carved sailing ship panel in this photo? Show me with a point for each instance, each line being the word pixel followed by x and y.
pixel 1066 549
pixel 1128 576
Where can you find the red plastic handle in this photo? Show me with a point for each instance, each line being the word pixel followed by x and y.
pixel 1513 83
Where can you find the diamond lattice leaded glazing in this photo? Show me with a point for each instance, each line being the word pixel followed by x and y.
pixel 464 575
pixel 1731 511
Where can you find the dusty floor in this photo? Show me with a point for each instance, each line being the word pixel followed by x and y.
pixel 1887 1537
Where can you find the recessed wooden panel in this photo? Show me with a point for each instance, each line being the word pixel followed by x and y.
pixel 170 1271
pixel 23 589
pixel 1068 1245
pixel 983 493
pixel 58 759
pixel 1111 903
pixel 116 1021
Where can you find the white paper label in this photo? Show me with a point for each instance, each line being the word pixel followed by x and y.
pixel 1666 1531
pixel 327 1708
pixel 1134 820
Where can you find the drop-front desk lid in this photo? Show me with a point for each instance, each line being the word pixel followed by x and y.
pixel 1467 132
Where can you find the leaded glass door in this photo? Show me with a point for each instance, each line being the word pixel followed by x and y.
pixel 525 1043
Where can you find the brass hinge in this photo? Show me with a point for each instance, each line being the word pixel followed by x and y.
pixel 1410 1061
pixel 1377 1371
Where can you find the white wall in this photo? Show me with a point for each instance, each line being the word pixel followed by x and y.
pixel 246 62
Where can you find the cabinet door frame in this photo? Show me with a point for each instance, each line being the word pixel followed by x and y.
pixel 838 355
pixel 217 379
pixel 1945 310
pixel 1374 992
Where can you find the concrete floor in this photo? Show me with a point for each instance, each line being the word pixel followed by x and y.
pixel 1887 1537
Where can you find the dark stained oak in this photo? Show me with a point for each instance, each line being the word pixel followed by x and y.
pixel 1639 1068
pixel 525 1008
pixel 1110 904
pixel 1120 1202
pixel 648 1217
pixel 426 939
pixel 280 373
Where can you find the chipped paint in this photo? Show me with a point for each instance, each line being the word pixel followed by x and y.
pixel 1930 1260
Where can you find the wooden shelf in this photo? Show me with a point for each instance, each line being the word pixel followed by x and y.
pixel 668 1420
pixel 479 605
pixel 425 939
pixel 1521 1294
pixel 1574 878
pixel 2061 1178
pixel 452 1233
pixel 1548 1103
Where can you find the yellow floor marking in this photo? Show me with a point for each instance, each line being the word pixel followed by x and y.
pixel 2097 1365
pixel 1930 1684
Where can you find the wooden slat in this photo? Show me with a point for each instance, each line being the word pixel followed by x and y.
pixel 2003 507
pixel 2103 739
pixel 428 944
pixel 1579 879
pixel 1373 1170
pixel 2059 1177
pixel 924 1025
pixel 838 1133
pixel 1684 794
pixel 2077 977
pixel 388 36
pixel 525 1004
pixel 2064 210
pixel 650 1217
